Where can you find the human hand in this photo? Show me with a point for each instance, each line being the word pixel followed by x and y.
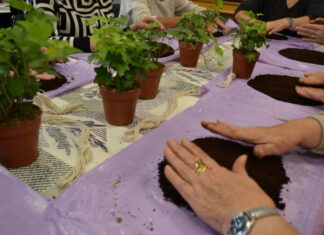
pixel 273 140
pixel 42 76
pixel 317 21
pixel 312 32
pixel 221 24
pixel 142 24
pixel 216 194
pixel 277 25
pixel 316 79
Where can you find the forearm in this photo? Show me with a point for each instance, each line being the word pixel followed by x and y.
pixel 169 22
pixel 241 15
pixel 272 225
pixel 309 130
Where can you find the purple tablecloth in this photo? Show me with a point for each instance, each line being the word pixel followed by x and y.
pixel 78 73
pixel 138 199
pixel 125 188
pixel 240 93
pixel 271 56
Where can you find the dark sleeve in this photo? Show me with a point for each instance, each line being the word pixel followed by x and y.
pixel 49 7
pixel 251 5
pixel 315 9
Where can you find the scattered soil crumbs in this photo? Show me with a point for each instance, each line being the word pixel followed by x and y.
pixel 268 172
pixel 281 87
pixel 303 55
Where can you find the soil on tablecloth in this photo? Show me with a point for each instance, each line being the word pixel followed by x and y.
pixel 303 55
pixel 49 85
pixel 218 34
pixel 277 37
pixel 164 51
pixel 268 172
pixel 281 87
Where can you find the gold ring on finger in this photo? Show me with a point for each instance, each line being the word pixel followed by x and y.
pixel 199 167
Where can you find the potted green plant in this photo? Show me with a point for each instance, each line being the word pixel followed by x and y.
pixel 121 56
pixel 155 49
pixel 25 49
pixel 250 36
pixel 192 32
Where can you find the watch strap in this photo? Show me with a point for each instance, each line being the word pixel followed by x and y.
pixel 260 212
pixel 290 22
pixel 243 222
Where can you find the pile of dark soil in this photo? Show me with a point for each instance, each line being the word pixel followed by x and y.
pixel 268 172
pixel 303 55
pixel 281 87
pixel 218 34
pixel 48 85
pixel 277 37
pixel 164 51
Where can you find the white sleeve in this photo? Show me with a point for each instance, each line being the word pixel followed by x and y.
pixel 183 6
pixel 140 10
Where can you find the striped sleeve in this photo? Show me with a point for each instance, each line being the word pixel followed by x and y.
pixel 50 8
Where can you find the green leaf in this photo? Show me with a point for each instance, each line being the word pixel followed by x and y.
pixel 103 77
pixel 20 5
pixel 16 86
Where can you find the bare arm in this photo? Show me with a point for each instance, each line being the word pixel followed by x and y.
pixel 273 140
pixel 281 24
pixel 169 22
pixel 241 15
pixel 272 225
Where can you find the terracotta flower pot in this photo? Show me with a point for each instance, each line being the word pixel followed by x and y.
pixel 19 144
pixel 241 67
pixel 189 54
pixel 119 107
pixel 150 85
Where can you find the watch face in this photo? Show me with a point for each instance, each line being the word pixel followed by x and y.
pixel 239 225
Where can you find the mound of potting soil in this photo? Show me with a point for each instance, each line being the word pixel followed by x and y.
pixel 268 172
pixel 164 51
pixel 281 87
pixel 218 34
pixel 49 85
pixel 277 36
pixel 303 55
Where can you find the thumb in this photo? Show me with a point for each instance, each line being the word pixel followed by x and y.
pixel 239 165
pixel 263 150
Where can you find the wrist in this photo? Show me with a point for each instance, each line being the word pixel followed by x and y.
pixel 243 222
pixel 290 22
pixel 311 132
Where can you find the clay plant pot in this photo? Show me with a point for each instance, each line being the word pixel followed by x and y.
pixel 119 107
pixel 241 67
pixel 150 85
pixel 19 144
pixel 189 54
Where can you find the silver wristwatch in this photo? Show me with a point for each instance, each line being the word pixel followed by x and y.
pixel 290 22
pixel 243 222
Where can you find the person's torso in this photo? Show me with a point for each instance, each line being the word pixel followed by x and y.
pixel 73 15
pixel 278 9
pixel 162 8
